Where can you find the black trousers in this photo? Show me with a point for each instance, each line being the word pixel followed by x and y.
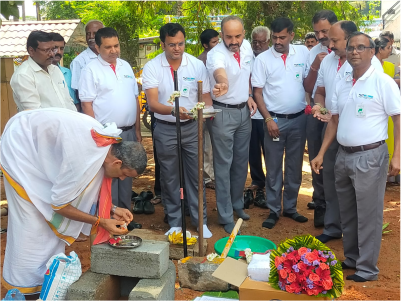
pixel 256 148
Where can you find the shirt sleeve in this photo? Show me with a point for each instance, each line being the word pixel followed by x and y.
pixel 259 76
pixel 205 79
pixel 334 101
pixel 87 86
pixel 390 97
pixel 149 77
pixel 25 89
pixel 215 60
pixel 308 64
pixel 320 78
pixel 76 69
pixel 376 63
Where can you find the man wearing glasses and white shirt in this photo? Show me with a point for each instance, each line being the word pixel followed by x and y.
pixel 37 83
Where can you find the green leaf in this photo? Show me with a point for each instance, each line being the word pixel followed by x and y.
pixel 228 294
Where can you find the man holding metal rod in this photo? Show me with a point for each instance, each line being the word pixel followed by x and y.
pixel 158 83
pixel 229 67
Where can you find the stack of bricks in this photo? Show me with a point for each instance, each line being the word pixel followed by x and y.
pixel 143 273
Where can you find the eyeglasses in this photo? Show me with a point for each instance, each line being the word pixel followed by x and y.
pixel 256 42
pixel 359 48
pixel 171 45
pixel 48 50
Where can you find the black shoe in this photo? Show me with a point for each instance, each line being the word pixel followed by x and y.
pixel 311 205
pixel 133 195
pixel 271 221
pixel 248 198
pixel 165 219
pixel 325 238
pixel 138 207
pixel 260 199
pixel 356 278
pixel 296 217
pixel 318 217
pixel 133 225
pixel 346 267
pixel 148 207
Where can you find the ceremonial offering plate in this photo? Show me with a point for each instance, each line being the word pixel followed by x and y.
pixel 125 242
pixel 206 113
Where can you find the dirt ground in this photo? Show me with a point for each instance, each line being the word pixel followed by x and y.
pixel 386 288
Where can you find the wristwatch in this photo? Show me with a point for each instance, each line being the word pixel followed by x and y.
pixel 173 111
pixel 250 95
pixel 113 209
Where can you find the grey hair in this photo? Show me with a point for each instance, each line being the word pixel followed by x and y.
pixel 92 21
pixel 261 29
pixel 132 154
pixel 230 18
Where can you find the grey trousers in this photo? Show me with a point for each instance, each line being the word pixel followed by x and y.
pixel 165 138
pixel 314 129
pixel 361 183
pixel 208 173
pixel 121 190
pixel 231 131
pixel 292 141
pixel 332 221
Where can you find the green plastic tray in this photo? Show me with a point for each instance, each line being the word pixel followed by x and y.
pixel 255 243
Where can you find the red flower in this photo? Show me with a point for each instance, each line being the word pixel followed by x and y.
pixel 308 110
pixel 324 266
pixel 301 266
pixel 296 287
pixel 283 274
pixel 302 251
pixel 323 274
pixel 118 239
pixel 311 256
pixel 312 292
pixel 288 265
pixel 112 241
pixel 291 277
pixel 314 277
pixel 278 260
pixel 289 288
pixel 327 284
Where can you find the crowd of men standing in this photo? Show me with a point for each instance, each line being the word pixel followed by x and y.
pixel 263 93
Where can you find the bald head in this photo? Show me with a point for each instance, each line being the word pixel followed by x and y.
pixel 338 36
pixel 232 32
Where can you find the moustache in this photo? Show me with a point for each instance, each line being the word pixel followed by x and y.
pixel 91 40
pixel 333 49
pixel 58 55
pixel 235 45
pixel 275 45
pixel 323 40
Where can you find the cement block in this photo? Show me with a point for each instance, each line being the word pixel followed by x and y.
pixel 92 286
pixel 150 260
pixel 177 251
pixel 196 274
pixel 156 289
pixel 127 284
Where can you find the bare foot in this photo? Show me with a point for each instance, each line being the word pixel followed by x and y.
pixel 81 238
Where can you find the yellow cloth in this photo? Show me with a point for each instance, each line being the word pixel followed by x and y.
pixel 389 69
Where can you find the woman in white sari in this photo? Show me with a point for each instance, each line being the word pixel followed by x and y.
pixel 58 166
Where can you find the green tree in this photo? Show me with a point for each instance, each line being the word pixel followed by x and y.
pixel 10 8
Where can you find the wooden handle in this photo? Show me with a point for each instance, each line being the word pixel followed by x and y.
pixel 231 238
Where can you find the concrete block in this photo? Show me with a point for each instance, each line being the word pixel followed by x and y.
pixel 156 289
pixel 92 286
pixel 196 274
pixel 150 260
pixel 127 284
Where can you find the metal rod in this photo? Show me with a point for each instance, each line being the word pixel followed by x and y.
pixel 178 128
pixel 200 170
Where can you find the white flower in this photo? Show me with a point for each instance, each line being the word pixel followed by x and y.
pixel 248 255
pixel 173 96
pixel 212 256
pixel 198 106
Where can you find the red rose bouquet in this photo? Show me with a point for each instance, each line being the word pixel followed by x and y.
pixel 304 265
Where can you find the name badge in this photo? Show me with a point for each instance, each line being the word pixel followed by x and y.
pixel 360 110
pixel 298 76
pixel 185 91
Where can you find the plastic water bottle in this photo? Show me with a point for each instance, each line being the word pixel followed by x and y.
pixel 14 294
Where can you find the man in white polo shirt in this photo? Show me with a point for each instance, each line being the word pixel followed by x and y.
pixel 37 83
pixel 109 93
pixel 277 77
pixel 229 67
pixel 361 104
pixel 158 83
pixel 86 56
pixel 321 22
pixel 332 69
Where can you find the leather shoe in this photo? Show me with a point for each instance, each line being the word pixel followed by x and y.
pixel 318 217
pixel 271 221
pixel 148 207
pixel 248 198
pixel 133 195
pixel 138 207
pixel 260 199
pixel 133 225
pixel 311 205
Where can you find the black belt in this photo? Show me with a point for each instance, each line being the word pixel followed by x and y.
pixel 361 148
pixel 126 128
pixel 287 116
pixel 238 106
pixel 173 123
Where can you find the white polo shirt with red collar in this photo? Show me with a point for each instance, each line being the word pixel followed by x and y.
pixel 238 70
pixel 113 92
pixel 281 79
pixel 331 72
pixel 364 107
pixel 319 48
pixel 158 73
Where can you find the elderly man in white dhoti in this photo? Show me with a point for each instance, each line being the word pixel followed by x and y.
pixel 58 166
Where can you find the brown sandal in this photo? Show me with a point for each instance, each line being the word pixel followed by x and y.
pixel 211 185
pixel 156 200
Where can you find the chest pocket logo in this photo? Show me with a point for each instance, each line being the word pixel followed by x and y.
pixel 365 96
pixel 128 76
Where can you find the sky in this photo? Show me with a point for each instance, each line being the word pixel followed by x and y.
pixel 30 9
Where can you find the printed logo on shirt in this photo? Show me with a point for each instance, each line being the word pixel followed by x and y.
pixel 247 62
pixel 188 79
pixel 299 65
pixel 348 73
pixel 128 76
pixel 364 96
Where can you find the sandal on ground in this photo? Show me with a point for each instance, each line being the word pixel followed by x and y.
pixel 211 185
pixel 156 200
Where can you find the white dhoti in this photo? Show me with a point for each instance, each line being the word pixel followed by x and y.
pixel 47 165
